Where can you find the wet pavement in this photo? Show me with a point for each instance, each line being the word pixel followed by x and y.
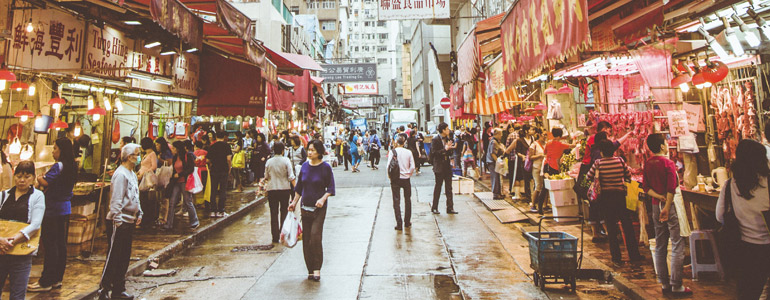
pixel 465 256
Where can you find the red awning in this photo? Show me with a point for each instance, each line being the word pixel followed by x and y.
pixel 292 63
pixel 317 81
pixel 483 40
pixel 277 99
pixel 303 91
pixel 230 88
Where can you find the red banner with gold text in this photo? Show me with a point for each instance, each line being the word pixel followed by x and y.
pixel 540 33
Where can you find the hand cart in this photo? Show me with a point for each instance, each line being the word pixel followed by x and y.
pixel 554 255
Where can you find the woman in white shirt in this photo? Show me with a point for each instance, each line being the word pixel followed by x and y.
pixel 537 156
pixel 280 180
pixel 749 198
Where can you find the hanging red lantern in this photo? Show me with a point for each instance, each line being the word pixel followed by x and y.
pixel 59 124
pixel 715 71
pixel 24 114
pixel 19 86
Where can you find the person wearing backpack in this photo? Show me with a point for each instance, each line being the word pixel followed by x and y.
pixel 374 149
pixel 400 168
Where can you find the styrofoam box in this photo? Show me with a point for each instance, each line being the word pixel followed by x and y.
pixel 563 197
pixel 462 185
pixel 84 210
pixel 562 184
pixel 565 211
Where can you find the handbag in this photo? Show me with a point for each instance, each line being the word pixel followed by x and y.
pixel 194 184
pixel 501 166
pixel 596 188
pixel 164 175
pixel 10 228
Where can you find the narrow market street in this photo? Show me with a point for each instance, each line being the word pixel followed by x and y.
pixel 465 256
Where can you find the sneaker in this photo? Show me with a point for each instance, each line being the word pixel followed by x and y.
pixel 212 215
pixel 547 209
pixel 195 226
pixel 37 288
pixel 532 209
pixel 681 291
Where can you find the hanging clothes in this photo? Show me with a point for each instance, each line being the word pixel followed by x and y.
pixel 554 110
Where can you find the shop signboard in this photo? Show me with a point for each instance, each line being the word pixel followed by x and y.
pixel 361 88
pixel 56 41
pixel 149 61
pixel 540 33
pixel 406 72
pixel 357 102
pixel 358 124
pixel 185 73
pixel 695 121
pixel 413 9
pixel 677 122
pixel 495 79
pixel 107 52
pixel 270 72
pixel 349 73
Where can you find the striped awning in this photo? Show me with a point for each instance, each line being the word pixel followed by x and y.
pixel 483 105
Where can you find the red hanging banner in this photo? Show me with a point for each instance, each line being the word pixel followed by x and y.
pixel 540 33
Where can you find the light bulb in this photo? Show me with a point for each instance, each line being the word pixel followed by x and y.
pixel 56 106
pixel 107 105
pixel 90 102
pixel 24 118
pixel 18 89
pixel 30 27
pixel 2 84
pixel 1 100
pixel 118 104
pixel 97 117
pixel 707 84
pixel 684 87
pixel 77 130
pixel 237 122
pixel 31 90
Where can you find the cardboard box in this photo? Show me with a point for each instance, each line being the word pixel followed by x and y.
pixel 562 184
pixel 81 228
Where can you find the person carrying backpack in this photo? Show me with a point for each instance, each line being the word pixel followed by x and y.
pixel 400 168
pixel 374 149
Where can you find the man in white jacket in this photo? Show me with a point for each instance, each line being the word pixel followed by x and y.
pixel 406 169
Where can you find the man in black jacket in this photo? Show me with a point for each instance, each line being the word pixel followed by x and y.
pixel 441 150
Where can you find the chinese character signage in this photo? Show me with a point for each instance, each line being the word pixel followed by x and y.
pixel 177 19
pixel 357 102
pixel 56 42
pixel 677 122
pixel 349 73
pixel 150 61
pixel 107 52
pixel 270 72
pixel 413 9
pixel 185 74
pixel 361 88
pixel 539 33
pixel 495 79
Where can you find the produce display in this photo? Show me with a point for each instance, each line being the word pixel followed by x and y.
pixel 560 176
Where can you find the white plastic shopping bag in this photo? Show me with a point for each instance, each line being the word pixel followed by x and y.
pixel 291 232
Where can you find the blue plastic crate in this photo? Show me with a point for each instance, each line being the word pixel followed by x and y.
pixel 557 254
pixel 458 172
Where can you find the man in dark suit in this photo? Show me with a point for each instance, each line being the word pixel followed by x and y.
pixel 441 150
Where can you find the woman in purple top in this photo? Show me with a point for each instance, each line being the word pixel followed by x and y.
pixel 315 184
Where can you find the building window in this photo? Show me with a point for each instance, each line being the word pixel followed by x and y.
pixel 366 48
pixel 383 36
pixel 356 49
pixel 382 60
pixel 328 25
pixel 294 9
pixel 313 5
pixel 329 4
pixel 382 48
pixel 380 23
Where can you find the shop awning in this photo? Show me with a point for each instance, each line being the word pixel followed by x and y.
pixel 317 82
pixel 483 40
pixel 229 87
pixel 278 99
pixel 290 63
pixel 302 89
pixel 285 85
pixel 483 105
pixel 488 35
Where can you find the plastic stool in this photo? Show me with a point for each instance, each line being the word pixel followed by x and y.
pixel 704 254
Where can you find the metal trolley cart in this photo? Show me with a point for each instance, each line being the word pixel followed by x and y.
pixel 554 255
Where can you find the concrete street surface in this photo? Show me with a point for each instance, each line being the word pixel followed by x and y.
pixel 465 256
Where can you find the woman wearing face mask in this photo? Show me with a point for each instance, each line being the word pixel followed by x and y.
pixel 58 183
pixel 24 204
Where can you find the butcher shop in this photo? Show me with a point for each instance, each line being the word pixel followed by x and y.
pixel 683 80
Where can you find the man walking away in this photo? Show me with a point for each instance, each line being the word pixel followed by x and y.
pixel 374 149
pixel 406 169
pixel 220 157
pixel 441 150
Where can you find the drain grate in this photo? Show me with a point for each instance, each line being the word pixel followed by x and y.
pixel 496 204
pixel 484 195
pixel 509 215
pixel 252 248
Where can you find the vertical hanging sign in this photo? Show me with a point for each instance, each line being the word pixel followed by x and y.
pixel 540 33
